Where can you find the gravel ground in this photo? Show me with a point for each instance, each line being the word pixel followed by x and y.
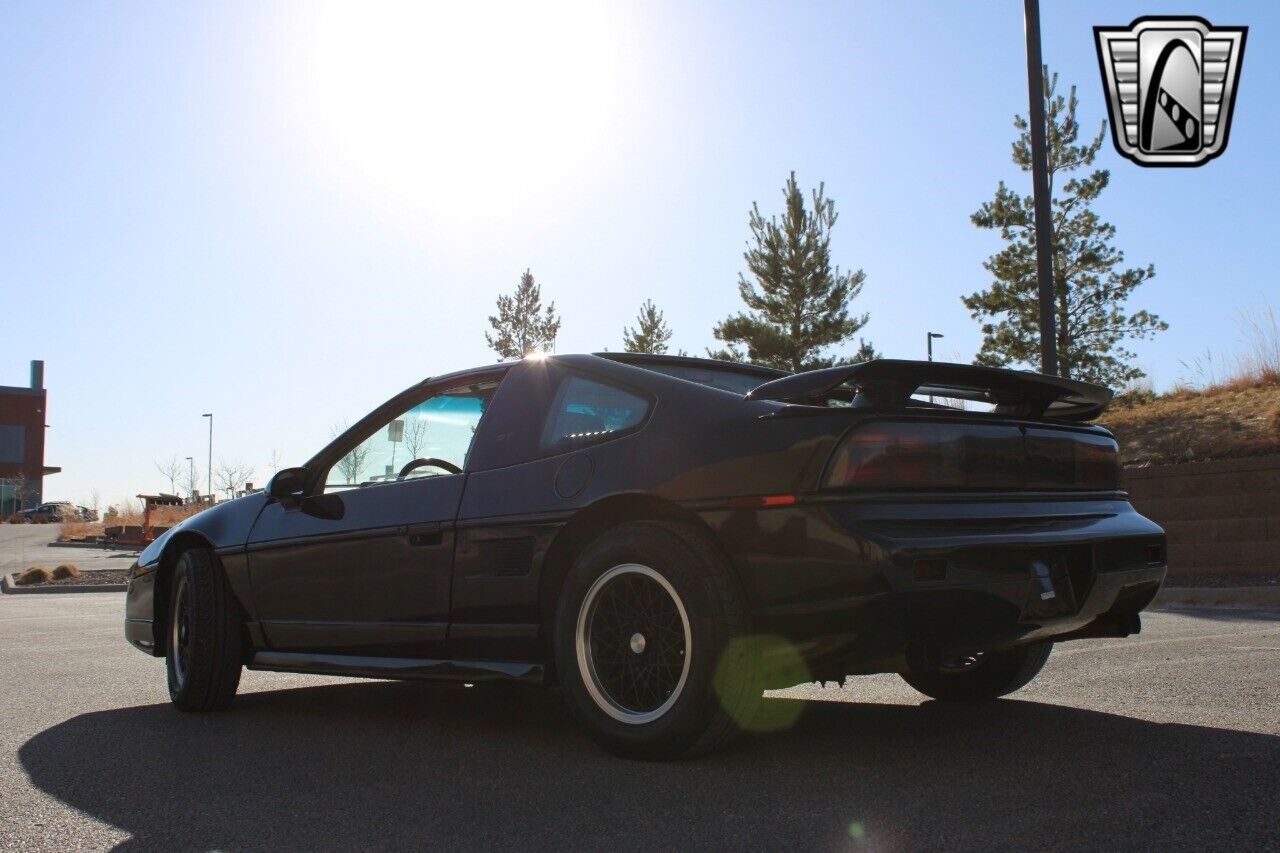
pixel 88 578
pixel 1168 739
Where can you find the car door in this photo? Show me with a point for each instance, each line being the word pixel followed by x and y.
pixel 376 581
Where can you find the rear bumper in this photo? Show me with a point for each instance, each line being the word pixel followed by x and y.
pixel 866 586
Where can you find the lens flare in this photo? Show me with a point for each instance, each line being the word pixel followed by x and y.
pixel 759 659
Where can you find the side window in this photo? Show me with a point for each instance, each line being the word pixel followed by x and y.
pixel 440 428
pixel 585 412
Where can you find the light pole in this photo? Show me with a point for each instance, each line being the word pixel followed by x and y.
pixel 191 474
pixel 1040 188
pixel 929 336
pixel 929 342
pixel 209 415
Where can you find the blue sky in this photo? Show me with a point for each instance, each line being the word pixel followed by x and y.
pixel 284 213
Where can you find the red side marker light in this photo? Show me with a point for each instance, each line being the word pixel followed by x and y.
pixel 766 500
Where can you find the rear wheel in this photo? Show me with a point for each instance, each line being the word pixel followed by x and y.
pixel 985 675
pixel 644 643
pixel 203 643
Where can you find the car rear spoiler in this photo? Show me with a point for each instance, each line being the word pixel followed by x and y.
pixel 893 382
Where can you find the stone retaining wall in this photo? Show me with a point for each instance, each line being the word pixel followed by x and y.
pixel 1221 517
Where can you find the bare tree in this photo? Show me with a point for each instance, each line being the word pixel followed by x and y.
pixel 192 480
pixel 231 476
pixel 351 466
pixel 415 436
pixel 275 465
pixel 95 501
pixel 171 470
pixel 20 492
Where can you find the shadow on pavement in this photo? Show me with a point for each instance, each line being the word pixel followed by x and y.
pixel 386 765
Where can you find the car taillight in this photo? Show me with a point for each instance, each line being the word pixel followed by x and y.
pixel 916 455
pixel 1056 458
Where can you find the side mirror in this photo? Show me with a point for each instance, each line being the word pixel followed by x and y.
pixel 287 483
pixel 329 507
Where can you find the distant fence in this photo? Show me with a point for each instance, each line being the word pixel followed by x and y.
pixel 1222 517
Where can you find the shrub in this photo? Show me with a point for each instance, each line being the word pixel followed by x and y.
pixel 1261 330
pixel 161 517
pixel 1134 397
pixel 66 570
pixel 32 576
pixel 78 530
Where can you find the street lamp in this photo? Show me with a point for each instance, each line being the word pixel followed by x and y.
pixel 929 342
pixel 209 415
pixel 191 473
pixel 929 347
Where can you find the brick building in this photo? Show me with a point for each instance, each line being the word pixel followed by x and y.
pixel 22 424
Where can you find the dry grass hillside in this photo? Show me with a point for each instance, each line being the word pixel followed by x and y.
pixel 1240 417
pixel 1225 417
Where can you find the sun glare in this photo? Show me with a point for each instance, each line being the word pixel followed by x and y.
pixel 463 109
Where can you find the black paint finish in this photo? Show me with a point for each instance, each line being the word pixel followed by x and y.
pixel 456 576
pixel 375 582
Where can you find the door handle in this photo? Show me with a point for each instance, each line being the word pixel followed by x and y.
pixel 425 535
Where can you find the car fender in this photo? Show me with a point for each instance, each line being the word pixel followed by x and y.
pixel 223 528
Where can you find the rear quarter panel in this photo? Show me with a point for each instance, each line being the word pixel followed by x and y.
pixel 698 445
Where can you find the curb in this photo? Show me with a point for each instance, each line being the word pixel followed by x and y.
pixel 8 587
pixel 1229 596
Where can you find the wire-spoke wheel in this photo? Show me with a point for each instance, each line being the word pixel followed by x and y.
pixel 633 643
pixel 647 632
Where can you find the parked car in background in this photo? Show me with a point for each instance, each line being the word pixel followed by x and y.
pixel 87 514
pixel 52 513
pixel 667 537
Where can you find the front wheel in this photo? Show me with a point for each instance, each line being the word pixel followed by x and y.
pixel 203 643
pixel 645 643
pixel 985 675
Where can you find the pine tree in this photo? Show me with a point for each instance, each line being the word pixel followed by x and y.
pixel 650 334
pixel 1091 286
pixel 797 305
pixel 522 325
pixel 866 352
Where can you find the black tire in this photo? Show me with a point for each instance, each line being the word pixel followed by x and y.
pixel 203 638
pixel 720 684
pixel 992 675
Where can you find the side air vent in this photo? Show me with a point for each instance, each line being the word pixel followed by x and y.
pixel 504 557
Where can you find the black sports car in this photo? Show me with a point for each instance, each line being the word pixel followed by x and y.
pixel 665 537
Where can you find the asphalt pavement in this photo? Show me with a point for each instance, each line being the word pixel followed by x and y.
pixel 26 545
pixel 1168 739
